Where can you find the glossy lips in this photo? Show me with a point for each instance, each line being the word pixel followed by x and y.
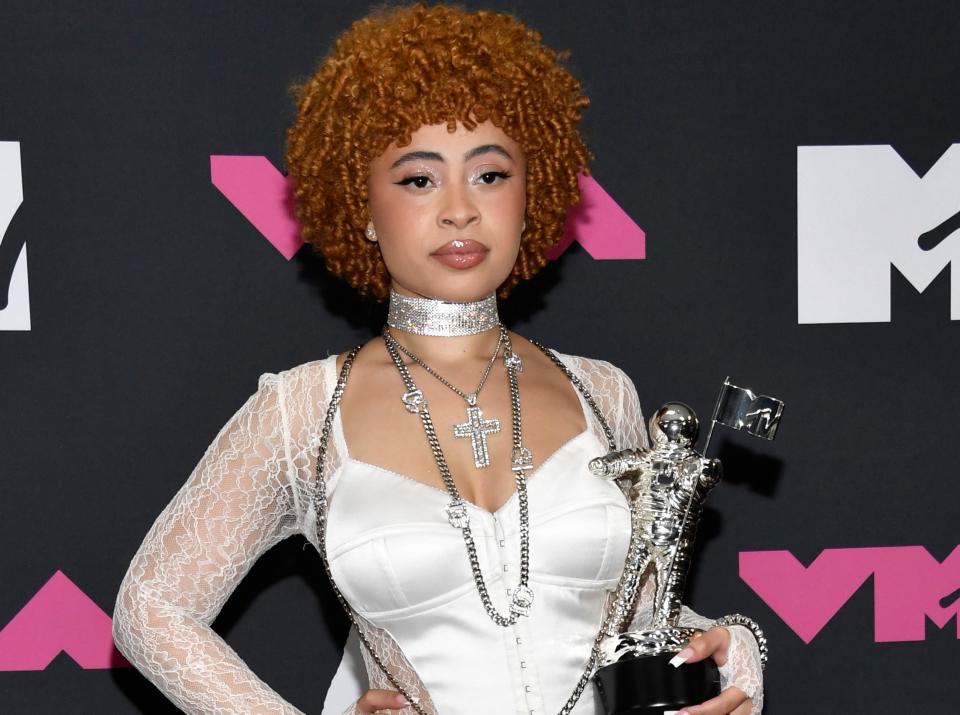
pixel 461 253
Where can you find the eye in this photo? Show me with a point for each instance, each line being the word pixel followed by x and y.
pixel 491 177
pixel 419 181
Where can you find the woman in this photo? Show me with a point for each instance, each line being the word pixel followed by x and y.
pixel 441 467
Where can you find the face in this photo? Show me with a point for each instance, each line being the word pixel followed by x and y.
pixel 448 211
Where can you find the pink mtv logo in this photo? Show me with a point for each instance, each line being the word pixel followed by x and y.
pixel 909 587
pixel 263 195
pixel 59 617
pixel 598 224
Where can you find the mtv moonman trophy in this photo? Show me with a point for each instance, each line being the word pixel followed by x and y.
pixel 667 487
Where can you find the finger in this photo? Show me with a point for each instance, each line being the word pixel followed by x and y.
pixel 375 700
pixel 724 704
pixel 714 642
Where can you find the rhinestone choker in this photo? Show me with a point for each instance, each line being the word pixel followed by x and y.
pixel 428 316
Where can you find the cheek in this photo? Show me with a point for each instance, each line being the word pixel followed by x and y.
pixel 518 196
pixel 512 208
pixel 400 228
pixel 381 205
pixel 506 205
pixel 393 214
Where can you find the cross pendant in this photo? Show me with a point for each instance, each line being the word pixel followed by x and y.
pixel 477 429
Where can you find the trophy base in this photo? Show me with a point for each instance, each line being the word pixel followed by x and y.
pixel 649 685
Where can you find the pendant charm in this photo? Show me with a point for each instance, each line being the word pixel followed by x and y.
pixel 477 429
pixel 414 401
pixel 522 598
pixel 457 514
pixel 512 361
pixel 522 459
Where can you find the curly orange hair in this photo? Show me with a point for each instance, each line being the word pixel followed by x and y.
pixel 401 68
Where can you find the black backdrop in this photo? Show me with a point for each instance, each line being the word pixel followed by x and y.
pixel 154 305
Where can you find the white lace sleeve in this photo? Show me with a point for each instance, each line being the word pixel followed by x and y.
pixel 237 503
pixel 616 396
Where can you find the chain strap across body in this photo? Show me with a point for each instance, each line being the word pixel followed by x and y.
pixel 321 507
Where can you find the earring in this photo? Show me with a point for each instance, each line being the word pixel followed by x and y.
pixel 523 226
pixel 371 232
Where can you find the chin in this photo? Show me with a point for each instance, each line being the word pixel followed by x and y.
pixel 459 288
pixel 456 294
pixel 463 296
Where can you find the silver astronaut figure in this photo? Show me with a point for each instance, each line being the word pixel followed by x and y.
pixel 667 486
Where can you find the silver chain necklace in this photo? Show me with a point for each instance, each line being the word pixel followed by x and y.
pixel 456 509
pixel 321 508
pixel 475 428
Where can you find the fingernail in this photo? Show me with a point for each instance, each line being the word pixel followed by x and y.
pixel 681 658
pixel 400 700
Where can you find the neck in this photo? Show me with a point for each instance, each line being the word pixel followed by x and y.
pixel 441 350
pixel 441 318
pixel 444 331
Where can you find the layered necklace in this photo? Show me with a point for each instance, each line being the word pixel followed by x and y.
pixel 424 316
pixel 431 317
pixel 476 428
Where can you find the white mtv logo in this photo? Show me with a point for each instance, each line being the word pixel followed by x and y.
pixel 861 210
pixel 14 293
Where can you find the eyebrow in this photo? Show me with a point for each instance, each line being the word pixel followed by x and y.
pixel 435 156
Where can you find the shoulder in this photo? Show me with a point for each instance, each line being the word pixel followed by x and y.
pixel 615 395
pixel 312 383
pixel 309 371
pixel 586 363
pixel 311 380
pixel 598 375
pixel 602 373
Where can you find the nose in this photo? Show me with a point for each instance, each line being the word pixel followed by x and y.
pixel 458 209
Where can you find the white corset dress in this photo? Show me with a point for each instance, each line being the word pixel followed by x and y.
pixel 402 566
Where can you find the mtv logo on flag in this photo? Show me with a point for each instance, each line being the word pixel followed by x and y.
pixel 741 409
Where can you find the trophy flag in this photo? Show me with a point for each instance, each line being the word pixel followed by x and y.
pixel 741 409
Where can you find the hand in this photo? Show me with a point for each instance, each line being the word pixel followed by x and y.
pixel 380 701
pixel 732 700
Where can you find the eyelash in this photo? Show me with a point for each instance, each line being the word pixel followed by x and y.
pixel 408 181
pixel 502 175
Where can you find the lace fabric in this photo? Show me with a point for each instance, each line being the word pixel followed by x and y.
pixel 254 487
pixel 236 504
pixel 391 655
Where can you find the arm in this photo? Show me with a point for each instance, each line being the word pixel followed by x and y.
pixel 235 505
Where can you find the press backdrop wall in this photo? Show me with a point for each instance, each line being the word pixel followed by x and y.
pixel 789 170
